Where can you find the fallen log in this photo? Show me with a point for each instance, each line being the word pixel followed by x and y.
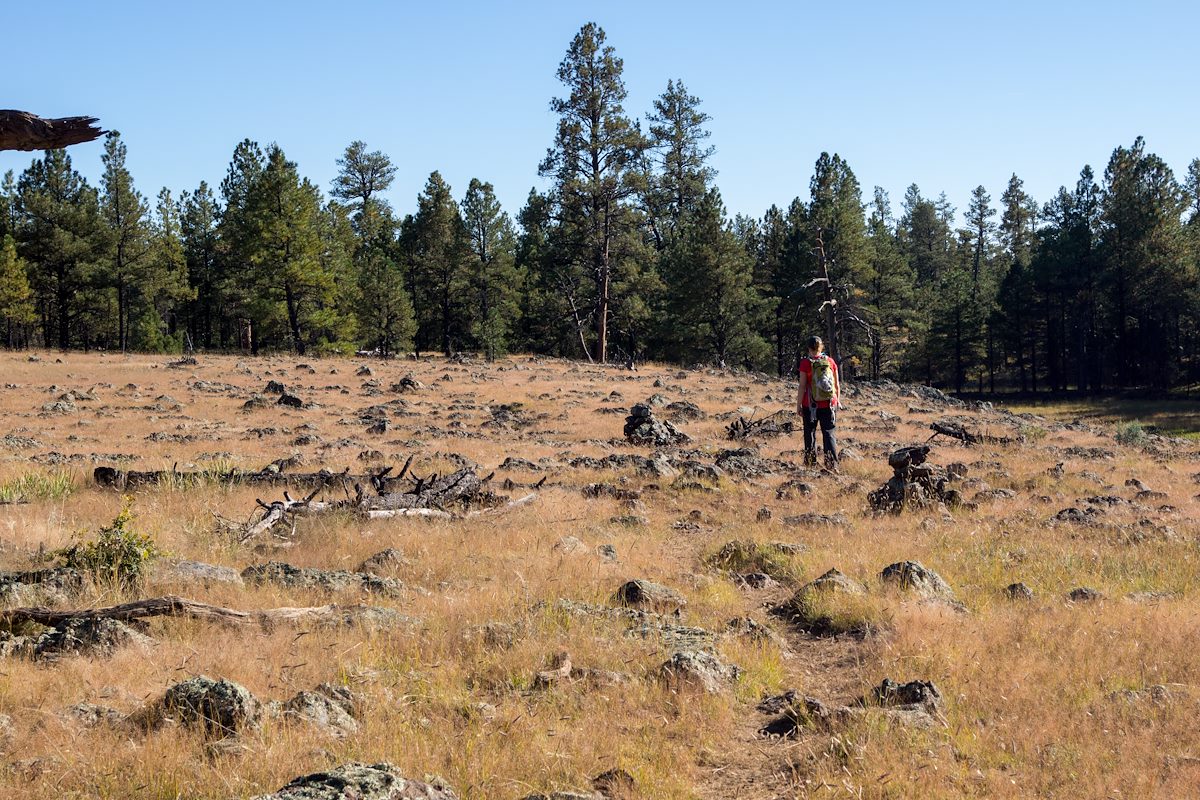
pixel 174 606
pixel 743 428
pixel 131 479
pixel 965 436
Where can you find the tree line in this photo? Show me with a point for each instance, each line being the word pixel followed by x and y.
pixel 628 254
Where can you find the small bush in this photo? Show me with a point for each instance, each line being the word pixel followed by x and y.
pixel 119 555
pixel 835 614
pixel 1131 434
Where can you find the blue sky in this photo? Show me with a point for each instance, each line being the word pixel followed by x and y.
pixel 946 95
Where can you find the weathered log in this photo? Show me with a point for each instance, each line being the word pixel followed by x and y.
pixel 20 130
pixel 132 479
pixel 743 428
pixel 174 606
pixel 965 436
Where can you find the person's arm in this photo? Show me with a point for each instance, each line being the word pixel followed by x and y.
pixel 800 392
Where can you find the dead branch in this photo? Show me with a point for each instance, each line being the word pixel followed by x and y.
pixel 965 436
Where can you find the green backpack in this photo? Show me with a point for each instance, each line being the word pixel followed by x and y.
pixel 823 384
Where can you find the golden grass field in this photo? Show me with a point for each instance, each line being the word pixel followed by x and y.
pixel 1034 691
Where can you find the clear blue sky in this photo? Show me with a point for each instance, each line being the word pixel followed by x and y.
pixel 947 95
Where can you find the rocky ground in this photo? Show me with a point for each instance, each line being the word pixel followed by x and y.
pixel 451 579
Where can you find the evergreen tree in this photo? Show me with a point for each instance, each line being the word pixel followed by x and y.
pixel 16 296
pixel 385 312
pixel 681 175
pixel 888 291
pixel 199 217
pixel 126 217
pixel 496 281
pixel 1151 280
pixel 291 287
pixel 161 283
pixel 62 237
pixel 362 177
pixel 594 164
pixel 1018 238
pixel 8 205
pixel 713 302
pixel 441 258
pixel 835 216
pixel 235 236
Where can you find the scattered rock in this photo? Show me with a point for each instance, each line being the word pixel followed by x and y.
pixel 87 636
pixel 354 781
pixel 1085 594
pixel 384 562
pixel 646 594
pixel 200 572
pixel 913 576
pixel 698 669
pixel 284 574
pixel 290 400
pixel 642 427
pixel 219 707
pixel 1018 591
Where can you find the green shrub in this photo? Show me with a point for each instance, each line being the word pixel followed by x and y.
pixel 1131 434
pixel 119 555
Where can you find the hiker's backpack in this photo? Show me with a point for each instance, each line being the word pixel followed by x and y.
pixel 822 379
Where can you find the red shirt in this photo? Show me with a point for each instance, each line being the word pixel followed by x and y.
pixel 805 368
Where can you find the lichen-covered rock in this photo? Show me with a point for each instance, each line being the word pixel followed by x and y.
pixel 329 713
pixel 642 427
pixel 698 669
pixel 913 576
pixel 219 707
pixel 200 572
pixel 356 781
pixel 283 574
pixel 87 637
pixel 647 594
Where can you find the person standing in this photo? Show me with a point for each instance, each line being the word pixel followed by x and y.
pixel 817 400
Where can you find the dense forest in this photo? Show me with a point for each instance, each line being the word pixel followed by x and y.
pixel 628 254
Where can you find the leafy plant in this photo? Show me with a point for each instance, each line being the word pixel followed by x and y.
pixel 119 554
pixel 1131 434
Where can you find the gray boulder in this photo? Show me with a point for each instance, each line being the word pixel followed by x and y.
pixel 698 669
pixel 913 576
pixel 356 781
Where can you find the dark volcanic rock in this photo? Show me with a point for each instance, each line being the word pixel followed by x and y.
pixel 284 574
pixel 356 781
pixel 646 594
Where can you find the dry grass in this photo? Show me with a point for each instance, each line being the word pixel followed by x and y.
pixel 1029 687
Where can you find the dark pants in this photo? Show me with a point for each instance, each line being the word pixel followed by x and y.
pixel 828 422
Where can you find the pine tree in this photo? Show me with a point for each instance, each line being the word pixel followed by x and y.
pixel 496 281
pixel 713 302
pixel 835 216
pixel 1018 239
pixel 441 258
pixel 62 237
pixel 126 216
pixel 362 177
pixel 16 296
pixel 1152 281
pixel 594 164
pixel 235 237
pixel 199 217
pixel 8 205
pixel 385 312
pixel 888 292
pixel 160 286
pixel 681 174
pixel 291 287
